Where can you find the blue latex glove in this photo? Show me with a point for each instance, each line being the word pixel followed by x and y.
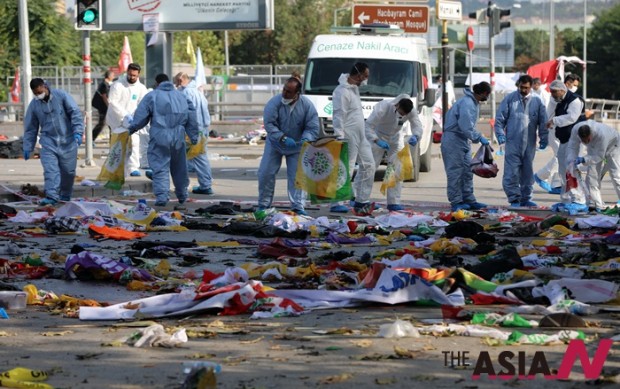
pixel 290 142
pixel 501 139
pixel 484 141
pixel 26 155
pixel 78 139
pixel 543 144
pixel 413 140
pixel 383 144
pixel 579 160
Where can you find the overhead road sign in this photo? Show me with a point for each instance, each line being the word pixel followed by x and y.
pixel 183 15
pixel 449 10
pixel 410 18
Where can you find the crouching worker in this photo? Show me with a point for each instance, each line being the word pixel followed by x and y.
pixel 603 154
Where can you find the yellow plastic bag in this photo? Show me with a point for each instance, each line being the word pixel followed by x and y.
pixel 113 170
pixel 400 169
pixel 195 150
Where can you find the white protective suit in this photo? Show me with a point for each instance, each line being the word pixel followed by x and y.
pixel 123 100
pixel 603 147
pixel 384 123
pixel 348 122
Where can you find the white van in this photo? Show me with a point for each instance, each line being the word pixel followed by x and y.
pixel 398 64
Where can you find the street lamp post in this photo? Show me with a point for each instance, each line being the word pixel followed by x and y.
pixel 585 48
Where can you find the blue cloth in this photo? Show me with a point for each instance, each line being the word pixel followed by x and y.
pixel 201 163
pixel 171 115
pixel 296 122
pixel 59 120
pixel 521 125
pixel 459 131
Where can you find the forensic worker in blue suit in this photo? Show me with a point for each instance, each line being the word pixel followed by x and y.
pixel 200 164
pixel 171 116
pixel 61 125
pixel 459 132
pixel 289 119
pixel 521 117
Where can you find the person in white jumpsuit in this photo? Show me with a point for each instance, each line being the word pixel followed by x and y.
pixel 385 132
pixel 348 123
pixel 603 154
pixel 123 99
pixel 569 110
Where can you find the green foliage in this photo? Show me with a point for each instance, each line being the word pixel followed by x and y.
pixel 603 47
pixel 210 43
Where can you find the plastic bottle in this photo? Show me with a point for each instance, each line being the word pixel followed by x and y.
pixel 189 366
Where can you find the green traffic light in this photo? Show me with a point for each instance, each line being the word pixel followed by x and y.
pixel 89 16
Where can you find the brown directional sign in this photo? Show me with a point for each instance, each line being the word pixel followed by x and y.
pixel 412 19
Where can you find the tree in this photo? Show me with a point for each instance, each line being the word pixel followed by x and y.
pixel 52 38
pixel 603 48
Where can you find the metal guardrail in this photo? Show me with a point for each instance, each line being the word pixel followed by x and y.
pixel 604 109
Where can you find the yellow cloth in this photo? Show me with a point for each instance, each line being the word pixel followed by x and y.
pixel 317 169
pixel 400 169
pixel 113 170
pixel 190 51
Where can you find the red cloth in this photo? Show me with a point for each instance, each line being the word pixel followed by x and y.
pixel 546 71
pixel 15 87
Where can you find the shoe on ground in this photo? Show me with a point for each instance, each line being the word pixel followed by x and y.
pixel 180 207
pixel 65 198
pixel 149 174
pixel 363 209
pixel 543 184
pixel 475 206
pixel 576 208
pixel 460 206
pixel 47 201
pixel 339 208
pixel 515 204
pixel 202 191
pixel 558 207
pixel 160 203
pixel 529 204
pixel 556 191
pixel 135 173
pixel 300 212
pixel 395 207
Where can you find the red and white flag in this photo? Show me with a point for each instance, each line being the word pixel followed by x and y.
pixel 15 87
pixel 125 58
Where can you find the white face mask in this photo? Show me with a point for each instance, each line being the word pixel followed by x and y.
pixel 40 96
pixel 287 101
pixel 573 89
pixel 364 83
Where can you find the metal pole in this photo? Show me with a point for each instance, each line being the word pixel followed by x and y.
pixel 492 50
pixel 24 47
pixel 444 72
pixel 551 30
pixel 585 48
pixel 86 81
pixel 226 53
pixel 471 67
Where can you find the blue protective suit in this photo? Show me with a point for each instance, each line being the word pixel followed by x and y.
pixel 296 121
pixel 201 163
pixel 172 116
pixel 519 123
pixel 459 132
pixel 59 120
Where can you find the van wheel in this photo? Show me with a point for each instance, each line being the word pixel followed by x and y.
pixel 415 158
pixel 425 159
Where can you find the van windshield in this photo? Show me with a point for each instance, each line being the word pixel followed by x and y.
pixel 388 78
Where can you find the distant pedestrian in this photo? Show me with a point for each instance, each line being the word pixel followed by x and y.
pixel 520 118
pixel 289 119
pixel 460 130
pixel 200 164
pixel 100 101
pixel 172 115
pixel 61 125
pixel 123 99
pixel 385 132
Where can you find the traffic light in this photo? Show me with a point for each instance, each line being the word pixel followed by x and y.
pixel 497 24
pixel 480 16
pixel 88 15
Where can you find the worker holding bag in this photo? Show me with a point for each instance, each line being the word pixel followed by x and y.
pixel 459 132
